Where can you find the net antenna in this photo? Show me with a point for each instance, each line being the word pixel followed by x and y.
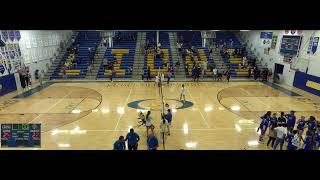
pixel 161 91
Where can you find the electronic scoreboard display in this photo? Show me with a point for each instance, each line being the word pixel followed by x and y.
pixel 21 135
pixel 290 45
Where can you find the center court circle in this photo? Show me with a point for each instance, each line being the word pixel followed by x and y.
pixel 155 104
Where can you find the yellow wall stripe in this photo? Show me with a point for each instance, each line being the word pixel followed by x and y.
pixel 313 85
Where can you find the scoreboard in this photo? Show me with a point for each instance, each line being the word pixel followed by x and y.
pixel 21 135
pixel 290 45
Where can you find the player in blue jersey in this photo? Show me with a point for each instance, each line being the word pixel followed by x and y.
pixel 291 121
pixel 273 119
pixel 317 140
pixel 301 125
pixel 312 124
pixel 119 144
pixel 263 126
pixel 282 119
pixel 152 142
pixel 308 141
pixel 133 139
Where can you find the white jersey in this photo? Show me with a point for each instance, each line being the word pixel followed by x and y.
pixel 157 79
pixel 162 78
pixel 164 127
pixel 183 91
pixel 149 121
pixel 215 71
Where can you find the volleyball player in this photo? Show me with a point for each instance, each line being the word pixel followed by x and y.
pixel 183 93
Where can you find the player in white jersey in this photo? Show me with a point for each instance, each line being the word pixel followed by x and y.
pixel 157 80
pixel 162 77
pixel 183 93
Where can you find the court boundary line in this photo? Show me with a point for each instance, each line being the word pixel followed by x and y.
pixel 142 130
pixel 242 104
pixel 125 105
pixel 196 104
pixel 52 106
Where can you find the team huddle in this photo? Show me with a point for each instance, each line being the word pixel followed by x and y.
pixel 286 129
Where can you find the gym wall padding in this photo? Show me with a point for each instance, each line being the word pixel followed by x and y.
pixel 307 83
pixel 7 84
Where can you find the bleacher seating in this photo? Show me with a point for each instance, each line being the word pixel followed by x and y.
pixel 157 64
pixel 232 62
pixel 86 39
pixel 201 54
pixel 121 55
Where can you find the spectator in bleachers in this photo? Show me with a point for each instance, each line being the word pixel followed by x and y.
pixel 142 74
pixel 193 50
pixel 66 65
pixel 105 42
pixel 244 60
pixel 73 41
pixel 85 35
pixel 105 62
pixel 90 68
pixel 198 72
pixel 204 65
pixel 249 71
pixel 255 73
pixel 187 69
pixel 179 47
pixel 220 74
pixel 215 73
pixel 129 70
pixel 177 63
pixel 227 73
pixel 210 52
pixel 226 54
pixel 74 63
pixel 171 69
pixel 64 71
pixel 194 73
pixel 269 74
pixel 89 51
pixel 231 43
pixel 148 73
pixel 161 54
pixel 169 75
pixel 61 44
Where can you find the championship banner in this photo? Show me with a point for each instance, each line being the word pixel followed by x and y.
pixel 11 35
pixel 274 42
pixel 266 39
pixel 17 35
pixel 313 45
pixel 4 35
pixel 310 45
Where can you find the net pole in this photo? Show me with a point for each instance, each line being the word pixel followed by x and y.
pixel 163 141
